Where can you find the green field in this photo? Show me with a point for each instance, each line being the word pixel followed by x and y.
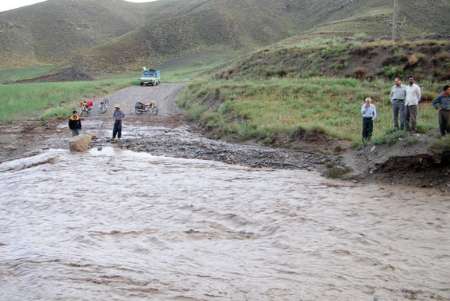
pixel 51 100
pixel 266 109
pixel 15 74
pixel 57 99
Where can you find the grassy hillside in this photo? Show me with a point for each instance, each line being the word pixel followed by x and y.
pixel 289 110
pixel 15 74
pixel 54 30
pixel 198 25
pixel 319 55
pixel 116 35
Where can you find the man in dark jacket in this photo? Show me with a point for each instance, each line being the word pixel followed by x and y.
pixel 442 103
pixel 118 116
pixel 75 123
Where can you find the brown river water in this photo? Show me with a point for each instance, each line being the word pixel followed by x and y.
pixel 119 225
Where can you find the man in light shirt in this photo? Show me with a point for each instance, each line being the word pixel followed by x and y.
pixel 398 96
pixel 413 96
pixel 369 113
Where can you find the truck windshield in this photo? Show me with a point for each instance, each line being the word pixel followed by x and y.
pixel 149 74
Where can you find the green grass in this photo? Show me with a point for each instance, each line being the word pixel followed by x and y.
pixel 195 67
pixel 264 109
pixel 51 100
pixel 15 74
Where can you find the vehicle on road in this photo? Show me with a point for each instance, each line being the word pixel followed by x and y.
pixel 141 108
pixel 150 77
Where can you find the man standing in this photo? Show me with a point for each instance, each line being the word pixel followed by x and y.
pixel 75 123
pixel 118 116
pixel 369 114
pixel 398 96
pixel 413 96
pixel 442 103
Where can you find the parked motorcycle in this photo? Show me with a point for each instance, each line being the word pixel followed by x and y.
pixel 141 108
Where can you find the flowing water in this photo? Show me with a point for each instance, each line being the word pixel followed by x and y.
pixel 119 225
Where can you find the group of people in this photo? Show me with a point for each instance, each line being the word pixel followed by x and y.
pixel 118 117
pixel 405 102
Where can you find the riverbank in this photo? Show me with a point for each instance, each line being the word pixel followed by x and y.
pixel 400 158
pixel 321 115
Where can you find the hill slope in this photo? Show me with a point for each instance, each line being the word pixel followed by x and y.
pixel 199 25
pixel 53 31
pixel 115 35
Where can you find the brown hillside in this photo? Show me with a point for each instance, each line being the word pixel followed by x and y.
pixel 53 31
pixel 317 56
pixel 114 35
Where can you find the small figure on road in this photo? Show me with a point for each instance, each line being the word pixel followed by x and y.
pixel 75 123
pixel 90 104
pixel 118 116
pixel 369 114
pixel 413 96
pixel 398 96
pixel 442 103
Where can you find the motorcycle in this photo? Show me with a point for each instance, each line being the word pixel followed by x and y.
pixel 141 108
pixel 85 111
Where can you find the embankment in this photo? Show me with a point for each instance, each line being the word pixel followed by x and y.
pixel 321 115
pixel 426 59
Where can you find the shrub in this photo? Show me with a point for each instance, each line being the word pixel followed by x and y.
pixel 360 73
pixel 415 58
pixel 393 72
pixel 428 96
pixel 390 137
pixel 440 146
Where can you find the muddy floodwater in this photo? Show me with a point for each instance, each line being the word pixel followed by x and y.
pixel 119 225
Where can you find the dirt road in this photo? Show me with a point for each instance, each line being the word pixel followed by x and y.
pixel 25 138
pixel 164 95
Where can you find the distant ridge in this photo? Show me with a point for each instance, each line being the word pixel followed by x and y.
pixel 114 35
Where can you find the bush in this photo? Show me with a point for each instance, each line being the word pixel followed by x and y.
pixel 415 58
pixel 360 73
pixel 442 145
pixel 390 137
pixel 393 72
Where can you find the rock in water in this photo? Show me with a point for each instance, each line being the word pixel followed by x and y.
pixel 80 144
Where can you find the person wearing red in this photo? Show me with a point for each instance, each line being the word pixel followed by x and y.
pixel 90 104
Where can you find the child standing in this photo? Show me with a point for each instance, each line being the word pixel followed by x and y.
pixel 369 113
pixel 75 123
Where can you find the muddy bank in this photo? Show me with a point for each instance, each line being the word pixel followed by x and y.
pixel 181 142
pixel 421 160
pixel 410 162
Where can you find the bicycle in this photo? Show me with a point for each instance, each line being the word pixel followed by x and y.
pixel 104 104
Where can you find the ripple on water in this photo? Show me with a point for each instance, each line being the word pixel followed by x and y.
pixel 117 225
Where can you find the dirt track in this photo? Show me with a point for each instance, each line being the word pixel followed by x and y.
pixel 164 96
pixel 25 138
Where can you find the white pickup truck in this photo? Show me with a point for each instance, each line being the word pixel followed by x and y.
pixel 150 77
